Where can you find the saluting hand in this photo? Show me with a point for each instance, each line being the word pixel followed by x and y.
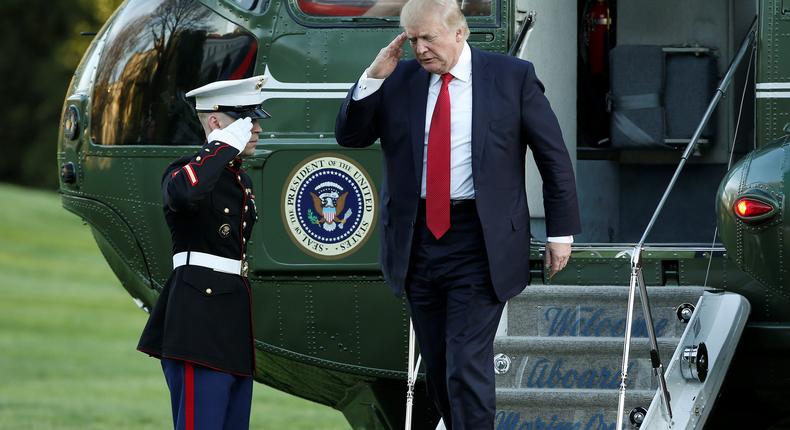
pixel 557 256
pixel 241 129
pixel 387 59
pixel 237 134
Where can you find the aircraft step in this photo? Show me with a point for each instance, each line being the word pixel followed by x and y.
pixel 594 311
pixel 561 409
pixel 558 362
pixel 575 363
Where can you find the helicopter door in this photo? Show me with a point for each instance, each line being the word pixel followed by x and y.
pixel 666 58
pixel 700 362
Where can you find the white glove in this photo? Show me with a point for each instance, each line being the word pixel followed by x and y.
pixel 237 134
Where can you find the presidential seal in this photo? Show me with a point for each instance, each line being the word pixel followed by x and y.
pixel 329 206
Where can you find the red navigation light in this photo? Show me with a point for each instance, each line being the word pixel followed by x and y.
pixel 748 208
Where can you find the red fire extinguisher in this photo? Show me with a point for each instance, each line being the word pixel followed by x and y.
pixel 599 24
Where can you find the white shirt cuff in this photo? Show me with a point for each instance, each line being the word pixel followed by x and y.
pixel 560 239
pixel 366 86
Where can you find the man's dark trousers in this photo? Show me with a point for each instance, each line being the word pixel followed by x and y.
pixel 455 314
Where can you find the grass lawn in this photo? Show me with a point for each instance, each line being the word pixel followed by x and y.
pixel 68 332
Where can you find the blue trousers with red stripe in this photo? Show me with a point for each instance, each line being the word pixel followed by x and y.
pixel 206 399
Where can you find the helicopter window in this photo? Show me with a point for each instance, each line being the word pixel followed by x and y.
pixel 246 4
pixel 152 57
pixel 256 6
pixel 379 8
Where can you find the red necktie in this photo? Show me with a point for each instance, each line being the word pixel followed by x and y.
pixel 437 181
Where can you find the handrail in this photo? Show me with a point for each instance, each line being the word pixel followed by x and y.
pixel 637 278
pixel 725 82
pixel 526 26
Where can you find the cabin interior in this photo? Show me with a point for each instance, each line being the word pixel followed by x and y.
pixel 644 77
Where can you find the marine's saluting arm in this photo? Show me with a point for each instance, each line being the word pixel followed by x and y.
pixel 189 180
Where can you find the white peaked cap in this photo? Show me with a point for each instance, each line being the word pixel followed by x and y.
pixel 239 97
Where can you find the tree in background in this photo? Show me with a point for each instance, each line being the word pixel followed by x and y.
pixel 41 47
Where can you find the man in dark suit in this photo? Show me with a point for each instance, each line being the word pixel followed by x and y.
pixel 201 326
pixel 454 125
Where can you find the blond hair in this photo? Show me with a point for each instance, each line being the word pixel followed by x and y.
pixel 203 117
pixel 450 13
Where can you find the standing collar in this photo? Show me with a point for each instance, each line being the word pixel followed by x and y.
pixel 462 69
pixel 235 164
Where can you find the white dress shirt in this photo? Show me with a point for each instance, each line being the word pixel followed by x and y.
pixel 460 88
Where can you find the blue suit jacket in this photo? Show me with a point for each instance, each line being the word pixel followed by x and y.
pixel 509 112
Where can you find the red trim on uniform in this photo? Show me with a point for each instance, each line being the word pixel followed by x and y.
pixel 175 173
pixel 216 150
pixel 245 280
pixel 159 355
pixel 191 174
pixel 193 179
pixel 189 401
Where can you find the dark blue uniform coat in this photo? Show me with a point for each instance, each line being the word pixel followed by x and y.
pixel 204 316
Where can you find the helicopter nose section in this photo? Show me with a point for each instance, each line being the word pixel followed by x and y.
pixel 750 213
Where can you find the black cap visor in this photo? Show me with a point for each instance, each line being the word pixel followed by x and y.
pixel 236 112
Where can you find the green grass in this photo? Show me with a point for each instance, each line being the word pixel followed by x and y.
pixel 68 332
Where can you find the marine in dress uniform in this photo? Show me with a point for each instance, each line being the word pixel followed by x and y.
pixel 201 325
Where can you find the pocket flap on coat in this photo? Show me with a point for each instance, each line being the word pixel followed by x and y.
pixel 208 281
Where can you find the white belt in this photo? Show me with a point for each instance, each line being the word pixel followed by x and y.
pixel 215 262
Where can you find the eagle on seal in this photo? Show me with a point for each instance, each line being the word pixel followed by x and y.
pixel 329 204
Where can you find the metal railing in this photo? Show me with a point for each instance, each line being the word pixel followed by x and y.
pixel 523 34
pixel 637 278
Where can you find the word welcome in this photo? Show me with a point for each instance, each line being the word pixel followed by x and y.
pixel 589 321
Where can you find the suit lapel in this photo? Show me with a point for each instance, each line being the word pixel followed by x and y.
pixel 482 90
pixel 418 98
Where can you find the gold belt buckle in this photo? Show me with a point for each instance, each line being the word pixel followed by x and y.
pixel 244 268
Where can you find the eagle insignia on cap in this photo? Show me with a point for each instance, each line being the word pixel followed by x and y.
pixel 259 84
